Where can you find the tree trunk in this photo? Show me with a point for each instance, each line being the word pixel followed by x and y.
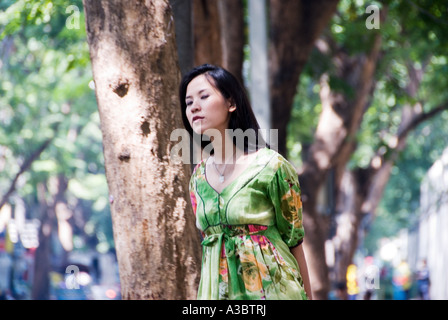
pixel 49 223
pixel 346 238
pixel 294 27
pixel 207 32
pixel 231 21
pixel 331 150
pixel 134 62
pixel 183 17
pixel 41 274
pixel 259 66
pixel 367 185
pixel 219 34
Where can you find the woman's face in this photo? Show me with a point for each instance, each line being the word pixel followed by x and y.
pixel 206 106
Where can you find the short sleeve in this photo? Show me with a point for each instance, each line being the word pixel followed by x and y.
pixel 284 191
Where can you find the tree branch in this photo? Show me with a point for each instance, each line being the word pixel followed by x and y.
pixel 24 167
pixel 427 13
pixel 421 118
pixel 379 170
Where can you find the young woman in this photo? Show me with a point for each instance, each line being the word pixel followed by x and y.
pixel 246 198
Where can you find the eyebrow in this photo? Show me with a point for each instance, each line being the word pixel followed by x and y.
pixel 200 91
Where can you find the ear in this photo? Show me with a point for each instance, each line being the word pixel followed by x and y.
pixel 232 106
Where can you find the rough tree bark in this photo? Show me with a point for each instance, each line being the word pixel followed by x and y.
pixel 134 62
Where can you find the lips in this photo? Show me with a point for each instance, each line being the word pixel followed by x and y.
pixel 197 118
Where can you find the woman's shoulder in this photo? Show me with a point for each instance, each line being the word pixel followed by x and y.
pixel 198 174
pixel 279 164
pixel 199 167
pixel 276 160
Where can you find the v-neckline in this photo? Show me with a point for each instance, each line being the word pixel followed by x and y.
pixel 234 180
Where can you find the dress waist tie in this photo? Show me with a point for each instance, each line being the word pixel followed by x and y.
pixel 229 247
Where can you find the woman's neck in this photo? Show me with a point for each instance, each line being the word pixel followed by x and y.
pixel 225 152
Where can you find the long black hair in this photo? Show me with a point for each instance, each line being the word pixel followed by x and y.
pixel 242 118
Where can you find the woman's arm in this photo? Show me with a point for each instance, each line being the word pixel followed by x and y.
pixel 300 257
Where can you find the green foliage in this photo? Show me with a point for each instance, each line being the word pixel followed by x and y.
pixel 45 92
pixel 401 200
pixel 304 118
pixel 413 33
pixel 412 36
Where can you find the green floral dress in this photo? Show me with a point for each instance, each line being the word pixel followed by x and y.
pixel 248 230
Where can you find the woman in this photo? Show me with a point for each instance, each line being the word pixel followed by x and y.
pixel 246 200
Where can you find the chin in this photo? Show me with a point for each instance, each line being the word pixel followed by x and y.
pixel 198 132
pixel 198 129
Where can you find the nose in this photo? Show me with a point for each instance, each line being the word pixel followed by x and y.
pixel 195 107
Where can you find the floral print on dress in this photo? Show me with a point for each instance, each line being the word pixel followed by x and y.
pixel 295 205
pixel 194 203
pixel 248 229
